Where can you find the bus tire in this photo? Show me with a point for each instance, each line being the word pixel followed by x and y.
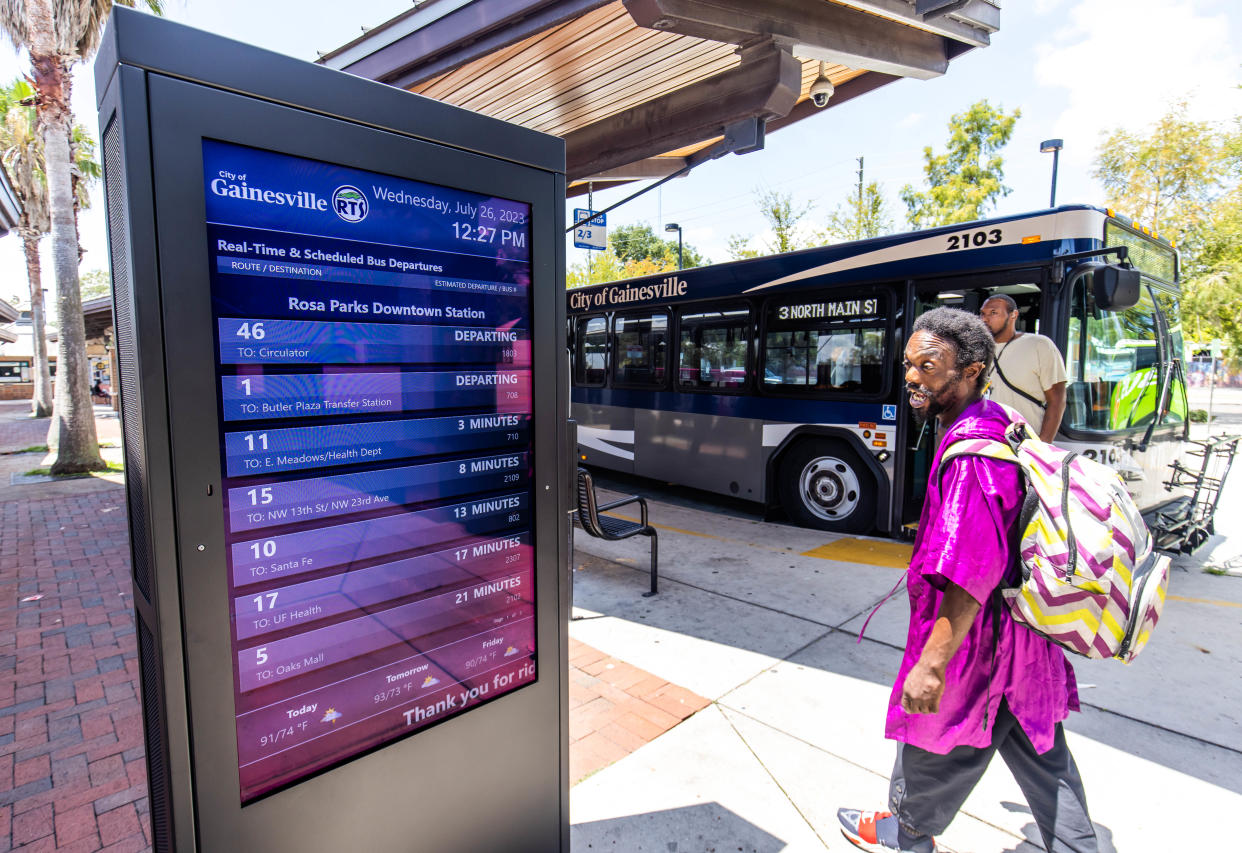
pixel 824 485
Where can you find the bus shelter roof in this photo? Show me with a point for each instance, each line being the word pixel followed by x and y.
pixel 641 89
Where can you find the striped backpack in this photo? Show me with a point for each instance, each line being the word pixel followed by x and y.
pixel 1090 580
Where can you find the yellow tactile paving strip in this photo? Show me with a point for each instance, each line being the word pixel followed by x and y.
pixel 1211 601
pixel 872 552
pixel 893 555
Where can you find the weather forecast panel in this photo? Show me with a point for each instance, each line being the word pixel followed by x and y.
pixel 373 353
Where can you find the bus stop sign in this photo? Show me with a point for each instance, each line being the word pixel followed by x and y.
pixel 592 233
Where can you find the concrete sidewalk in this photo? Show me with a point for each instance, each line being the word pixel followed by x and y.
pixel 734 711
pixel 753 617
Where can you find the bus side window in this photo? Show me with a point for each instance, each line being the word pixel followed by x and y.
pixel 641 352
pixel 591 352
pixel 713 349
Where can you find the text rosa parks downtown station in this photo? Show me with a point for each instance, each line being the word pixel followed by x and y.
pixel 373 341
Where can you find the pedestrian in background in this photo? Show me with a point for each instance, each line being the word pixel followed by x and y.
pixel 972 682
pixel 1030 370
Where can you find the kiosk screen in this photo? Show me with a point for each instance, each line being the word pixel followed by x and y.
pixel 373 356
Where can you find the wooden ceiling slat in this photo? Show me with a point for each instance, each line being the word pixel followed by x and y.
pixel 615 94
pixel 556 73
pixel 547 82
pixel 600 26
pixel 674 64
pixel 544 74
pixel 595 27
pixel 469 79
pixel 536 93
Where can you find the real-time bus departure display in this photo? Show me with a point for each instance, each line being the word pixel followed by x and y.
pixel 373 343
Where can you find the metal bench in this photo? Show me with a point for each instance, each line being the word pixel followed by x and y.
pixel 610 527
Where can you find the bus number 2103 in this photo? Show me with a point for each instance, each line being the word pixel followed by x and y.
pixel 973 238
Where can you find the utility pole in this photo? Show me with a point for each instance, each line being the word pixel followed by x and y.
pixel 858 226
pixel 590 213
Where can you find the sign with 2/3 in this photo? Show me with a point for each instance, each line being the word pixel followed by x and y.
pixel 591 234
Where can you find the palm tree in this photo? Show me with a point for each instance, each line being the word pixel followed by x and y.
pixel 21 150
pixel 58 34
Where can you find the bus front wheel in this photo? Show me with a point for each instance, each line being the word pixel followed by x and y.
pixel 824 485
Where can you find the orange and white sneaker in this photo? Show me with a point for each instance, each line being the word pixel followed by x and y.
pixel 880 832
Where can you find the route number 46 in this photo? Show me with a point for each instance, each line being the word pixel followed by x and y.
pixel 251 331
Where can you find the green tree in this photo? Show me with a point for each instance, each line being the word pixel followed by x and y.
pixel 1169 177
pixel 784 218
pixel 1212 280
pixel 739 248
pixel 860 218
pixel 58 34
pixel 968 178
pixel 606 266
pixel 96 283
pixel 21 150
pixel 1183 178
pixel 639 242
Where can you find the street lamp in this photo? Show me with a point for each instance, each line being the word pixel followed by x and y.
pixel 670 227
pixel 1055 146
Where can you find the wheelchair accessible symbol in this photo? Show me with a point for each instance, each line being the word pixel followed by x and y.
pixel 890 413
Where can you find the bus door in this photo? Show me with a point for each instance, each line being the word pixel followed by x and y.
pixel 1028 288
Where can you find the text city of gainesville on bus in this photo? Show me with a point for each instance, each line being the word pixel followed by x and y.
pixel 664 289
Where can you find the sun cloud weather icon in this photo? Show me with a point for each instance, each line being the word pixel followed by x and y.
pixel 331 716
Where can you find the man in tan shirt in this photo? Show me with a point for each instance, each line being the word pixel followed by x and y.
pixel 1030 371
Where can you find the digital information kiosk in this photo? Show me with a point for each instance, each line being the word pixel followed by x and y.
pixel 340 336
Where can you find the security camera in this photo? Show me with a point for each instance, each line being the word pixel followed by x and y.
pixel 821 91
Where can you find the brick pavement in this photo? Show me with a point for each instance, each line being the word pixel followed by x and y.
pixel 72 772
pixel 19 430
pixel 72 768
pixel 615 708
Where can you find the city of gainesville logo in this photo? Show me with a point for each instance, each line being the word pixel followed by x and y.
pixel 349 203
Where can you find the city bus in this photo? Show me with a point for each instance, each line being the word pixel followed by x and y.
pixel 778 380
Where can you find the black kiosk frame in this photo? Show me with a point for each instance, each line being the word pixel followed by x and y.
pixel 377 664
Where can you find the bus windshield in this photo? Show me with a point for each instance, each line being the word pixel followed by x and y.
pixel 1115 365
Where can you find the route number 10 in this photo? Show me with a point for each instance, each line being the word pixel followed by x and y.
pixel 266 548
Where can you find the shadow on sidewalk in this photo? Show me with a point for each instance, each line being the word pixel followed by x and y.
pixel 709 826
pixel 609 589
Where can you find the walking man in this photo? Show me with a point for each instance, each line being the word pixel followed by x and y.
pixel 972 683
pixel 1030 372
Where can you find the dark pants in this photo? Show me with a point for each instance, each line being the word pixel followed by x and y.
pixel 927 789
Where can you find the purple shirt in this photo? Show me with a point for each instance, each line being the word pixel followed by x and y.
pixel 962 538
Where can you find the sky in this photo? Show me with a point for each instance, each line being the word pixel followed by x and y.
pixel 1077 69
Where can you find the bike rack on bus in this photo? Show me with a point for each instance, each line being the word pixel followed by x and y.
pixel 1186 522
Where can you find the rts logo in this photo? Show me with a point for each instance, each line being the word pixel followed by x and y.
pixel 349 203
